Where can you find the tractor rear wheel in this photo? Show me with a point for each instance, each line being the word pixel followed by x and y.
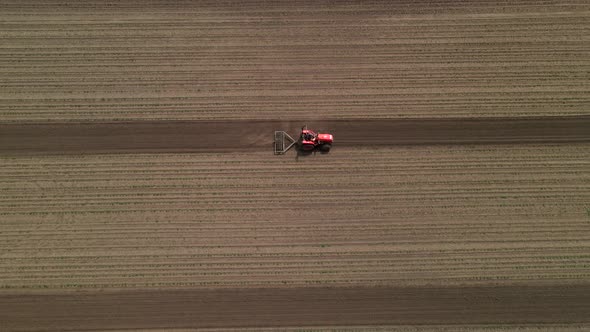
pixel 325 147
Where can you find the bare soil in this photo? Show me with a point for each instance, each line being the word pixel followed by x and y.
pixel 230 308
pixel 304 59
pixel 228 136
pixel 411 215
pixel 138 189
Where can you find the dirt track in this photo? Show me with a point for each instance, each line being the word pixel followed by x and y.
pixel 207 136
pixel 296 307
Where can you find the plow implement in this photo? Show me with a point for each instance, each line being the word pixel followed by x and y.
pixel 283 142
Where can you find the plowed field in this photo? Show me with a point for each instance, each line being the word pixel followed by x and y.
pixel 406 215
pixel 138 188
pixel 303 59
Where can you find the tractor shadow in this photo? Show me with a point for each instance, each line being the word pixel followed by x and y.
pixel 306 154
pixel 299 153
pixel 303 154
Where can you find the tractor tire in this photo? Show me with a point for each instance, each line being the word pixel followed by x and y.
pixel 325 148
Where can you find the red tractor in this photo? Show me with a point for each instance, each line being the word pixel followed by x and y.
pixel 310 140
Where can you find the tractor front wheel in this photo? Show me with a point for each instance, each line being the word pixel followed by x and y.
pixel 325 147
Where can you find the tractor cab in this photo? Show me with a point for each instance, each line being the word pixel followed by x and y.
pixel 308 139
pixel 308 136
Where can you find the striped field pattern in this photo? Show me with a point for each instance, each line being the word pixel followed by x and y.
pixel 138 191
pixel 393 216
pixel 127 60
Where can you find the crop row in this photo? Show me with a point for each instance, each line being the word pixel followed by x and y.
pixel 403 215
pixel 135 61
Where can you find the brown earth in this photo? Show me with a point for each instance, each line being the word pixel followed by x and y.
pixel 305 59
pixel 394 215
pixel 456 197
pixel 203 308
pixel 208 136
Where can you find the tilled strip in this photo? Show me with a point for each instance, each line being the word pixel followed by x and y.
pixel 227 136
